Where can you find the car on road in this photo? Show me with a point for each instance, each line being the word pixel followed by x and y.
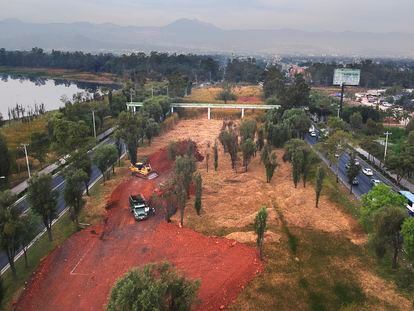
pixel 348 165
pixel 355 181
pixel 375 181
pixel 313 134
pixel 367 171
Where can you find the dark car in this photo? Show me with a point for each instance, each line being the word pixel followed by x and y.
pixel 355 181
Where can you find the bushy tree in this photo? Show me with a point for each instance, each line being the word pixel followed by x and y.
pixel 9 227
pixel 198 193
pixel 387 231
pixel 153 287
pixel 260 139
pixel 320 176
pixel 184 169
pixel 130 130
pixel 269 160
pixel 73 193
pixel 226 94
pixel 335 146
pixel 260 228
pixel 356 120
pixel 104 157
pixel 229 139
pixel 152 129
pixel 29 223
pixel 39 145
pixel 81 160
pixel 297 164
pixel 43 200
pixel 407 231
pixel 248 129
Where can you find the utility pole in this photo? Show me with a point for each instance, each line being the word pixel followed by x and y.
pixel 94 126
pixel 386 144
pixel 27 159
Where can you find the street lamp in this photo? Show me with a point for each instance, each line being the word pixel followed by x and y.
pixel 94 126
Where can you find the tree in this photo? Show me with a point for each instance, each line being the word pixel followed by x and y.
pixel 297 94
pixel 320 176
pixel 356 120
pixel 274 83
pixel 226 94
pixel 153 287
pixel 400 164
pixel 335 146
pixel 82 161
pixel 309 159
pixel 215 150
pixel 260 228
pixel 39 145
pixel 9 227
pixel 229 139
pixel 260 139
pixel 407 232
pixel 269 160
pixel 5 158
pixel 378 198
pixel 247 129
pixel 387 227
pixel 297 121
pixel 104 157
pixel 130 131
pixel 352 171
pixel 183 175
pixel 248 149
pixel 29 223
pixel 198 193
pixel 73 193
pixel 152 129
pixel 119 145
pixel 43 199
pixel 337 124
pixel 297 164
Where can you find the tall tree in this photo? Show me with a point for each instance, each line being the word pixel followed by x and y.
pixel 104 157
pixel 229 139
pixel 82 161
pixel 198 192
pixel 260 139
pixel 29 223
pixel 297 164
pixel 248 149
pixel 226 93
pixel 43 200
pixel 152 128
pixel 335 146
pixel 130 131
pixel 248 129
pixel 39 145
pixel 269 160
pixel 320 176
pixel 215 150
pixel 260 228
pixel 387 231
pixel 9 227
pixel 119 145
pixel 73 193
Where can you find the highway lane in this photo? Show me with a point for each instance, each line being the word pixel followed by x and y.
pixel 58 184
pixel 365 184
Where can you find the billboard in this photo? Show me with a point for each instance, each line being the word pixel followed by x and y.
pixel 346 76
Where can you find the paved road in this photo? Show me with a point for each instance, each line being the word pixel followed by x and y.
pixel 365 184
pixel 58 183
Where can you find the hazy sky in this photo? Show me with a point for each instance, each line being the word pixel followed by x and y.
pixel 336 15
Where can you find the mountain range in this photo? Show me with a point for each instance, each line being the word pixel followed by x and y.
pixel 195 36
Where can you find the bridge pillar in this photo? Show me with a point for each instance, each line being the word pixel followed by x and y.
pixel 172 109
pixel 209 113
pixel 242 116
pixel 134 109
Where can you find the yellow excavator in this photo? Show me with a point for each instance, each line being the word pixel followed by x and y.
pixel 143 170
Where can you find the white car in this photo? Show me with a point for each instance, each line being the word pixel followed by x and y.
pixel 375 181
pixel 367 171
pixel 313 134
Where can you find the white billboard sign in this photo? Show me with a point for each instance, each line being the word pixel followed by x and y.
pixel 347 76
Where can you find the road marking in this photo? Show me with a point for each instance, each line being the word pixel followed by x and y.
pixel 79 261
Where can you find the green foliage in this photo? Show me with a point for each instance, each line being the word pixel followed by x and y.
pixel 407 231
pixel 387 227
pixel 152 129
pixel 29 223
pixel 248 149
pixel 215 150
pixel 43 200
pixel 380 197
pixel 198 193
pixel 153 287
pixel 336 124
pixel 260 139
pixel 104 157
pixel 81 160
pixel 297 121
pixel 353 170
pixel 9 227
pixel 269 160
pixel 172 150
pixel 130 130
pixel 39 145
pixel 274 83
pixel 226 94
pixel 67 134
pixel 260 228
pixel 247 70
pixel 229 139
pixel 73 193
pixel 291 146
pixel 297 164
pixel 320 176
pixel 410 126
pixel 248 129
pixel 356 121
pixel 5 159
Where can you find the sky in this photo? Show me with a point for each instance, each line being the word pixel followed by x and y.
pixel 313 15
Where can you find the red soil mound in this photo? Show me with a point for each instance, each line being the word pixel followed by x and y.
pixel 79 274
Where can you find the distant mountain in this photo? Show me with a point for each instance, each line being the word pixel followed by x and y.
pixel 186 35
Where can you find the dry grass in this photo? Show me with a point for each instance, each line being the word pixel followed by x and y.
pixel 251 94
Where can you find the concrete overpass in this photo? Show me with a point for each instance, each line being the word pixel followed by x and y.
pixel 132 106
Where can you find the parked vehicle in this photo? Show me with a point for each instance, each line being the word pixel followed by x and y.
pixel 139 207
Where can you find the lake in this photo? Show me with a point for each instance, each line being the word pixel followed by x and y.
pixel 28 91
